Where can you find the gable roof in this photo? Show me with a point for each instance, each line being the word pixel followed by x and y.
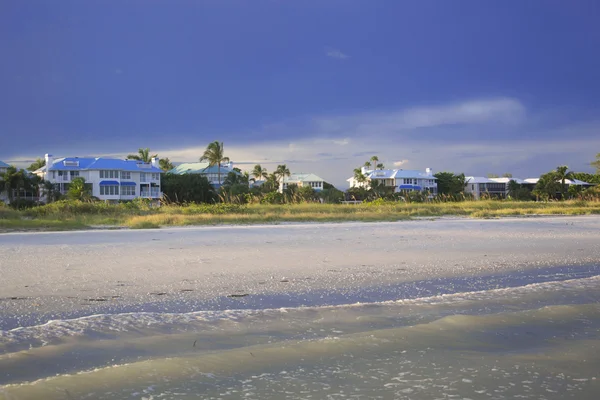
pixel 302 177
pixel 397 174
pixel 82 164
pixel 201 168
pixel 3 164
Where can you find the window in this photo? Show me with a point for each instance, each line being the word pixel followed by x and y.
pixel 127 190
pixel 109 174
pixel 74 174
pixel 109 190
pixel 125 175
pixel 142 177
pixel 53 174
pixel 155 176
pixel 409 181
pixel 67 163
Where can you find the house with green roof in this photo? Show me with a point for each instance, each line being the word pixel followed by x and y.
pixel 210 172
pixel 303 180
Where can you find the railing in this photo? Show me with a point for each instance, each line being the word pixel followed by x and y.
pixel 150 193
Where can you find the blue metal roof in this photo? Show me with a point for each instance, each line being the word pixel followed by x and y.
pixel 127 183
pixel 79 164
pixel 201 168
pixel 4 165
pixel 109 183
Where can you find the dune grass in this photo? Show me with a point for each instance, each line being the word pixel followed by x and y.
pixel 77 215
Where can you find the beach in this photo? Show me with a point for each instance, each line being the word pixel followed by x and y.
pixel 118 297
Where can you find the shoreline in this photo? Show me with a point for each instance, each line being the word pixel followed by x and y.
pixel 80 272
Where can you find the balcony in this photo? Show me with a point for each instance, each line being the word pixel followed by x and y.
pixel 152 193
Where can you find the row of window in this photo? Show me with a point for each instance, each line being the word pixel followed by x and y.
pixel 113 190
pixel 414 181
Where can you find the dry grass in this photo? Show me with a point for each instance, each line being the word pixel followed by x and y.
pixel 74 216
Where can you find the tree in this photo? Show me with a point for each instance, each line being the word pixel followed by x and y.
pixel 380 166
pixel 215 155
pixel 359 177
pixel 37 164
pixel 331 195
pixel 374 160
pixel 449 183
pixel 492 176
pixel 260 173
pixel 142 155
pixel 596 163
pixel 547 186
pixel 187 188
pixel 165 164
pixel 562 174
pixel 281 172
pixel 79 190
pixel 51 192
pixel 367 164
pixel 517 191
pixel 13 181
pixel 507 175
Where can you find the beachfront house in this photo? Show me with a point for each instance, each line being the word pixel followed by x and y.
pixel 401 180
pixel 490 187
pixel 302 180
pixel 215 175
pixel 110 179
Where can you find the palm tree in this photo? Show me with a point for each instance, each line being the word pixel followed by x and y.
pixel 214 154
pixel 359 176
pixel 259 172
pixel 281 172
pixel 37 164
pixel 142 155
pixel 14 181
pixel 367 164
pixel 374 161
pixel 165 164
pixel 562 174
pixel 380 166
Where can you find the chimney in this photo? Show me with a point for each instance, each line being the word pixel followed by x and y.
pixel 154 162
pixel 230 165
pixel 49 160
pixel 363 170
pixel 428 171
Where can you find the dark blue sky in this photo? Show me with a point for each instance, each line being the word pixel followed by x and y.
pixel 469 86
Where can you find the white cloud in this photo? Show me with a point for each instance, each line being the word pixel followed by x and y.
pixel 335 53
pixel 475 137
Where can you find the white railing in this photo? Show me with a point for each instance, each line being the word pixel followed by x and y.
pixel 150 193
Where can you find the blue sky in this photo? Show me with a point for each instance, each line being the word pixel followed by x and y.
pixel 466 86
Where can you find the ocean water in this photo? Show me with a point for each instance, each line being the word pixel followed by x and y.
pixel 537 339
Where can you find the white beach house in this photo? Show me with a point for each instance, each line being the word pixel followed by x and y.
pixel 210 172
pixel 302 180
pixel 110 179
pixel 400 179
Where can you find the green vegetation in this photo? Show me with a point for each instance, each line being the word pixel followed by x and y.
pixel 140 214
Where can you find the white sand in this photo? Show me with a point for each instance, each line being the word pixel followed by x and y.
pixel 207 262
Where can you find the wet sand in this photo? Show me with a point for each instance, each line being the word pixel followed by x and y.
pixel 84 273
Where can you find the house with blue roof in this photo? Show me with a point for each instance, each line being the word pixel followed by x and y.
pixel 401 180
pixel 215 175
pixel 111 179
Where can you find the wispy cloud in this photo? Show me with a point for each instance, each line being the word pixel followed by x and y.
pixel 336 53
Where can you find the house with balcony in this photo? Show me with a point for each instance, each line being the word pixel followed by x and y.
pixel 110 179
pixel 302 180
pixel 479 186
pixel 215 175
pixel 399 179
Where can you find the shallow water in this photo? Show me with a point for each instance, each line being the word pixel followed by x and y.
pixel 536 338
